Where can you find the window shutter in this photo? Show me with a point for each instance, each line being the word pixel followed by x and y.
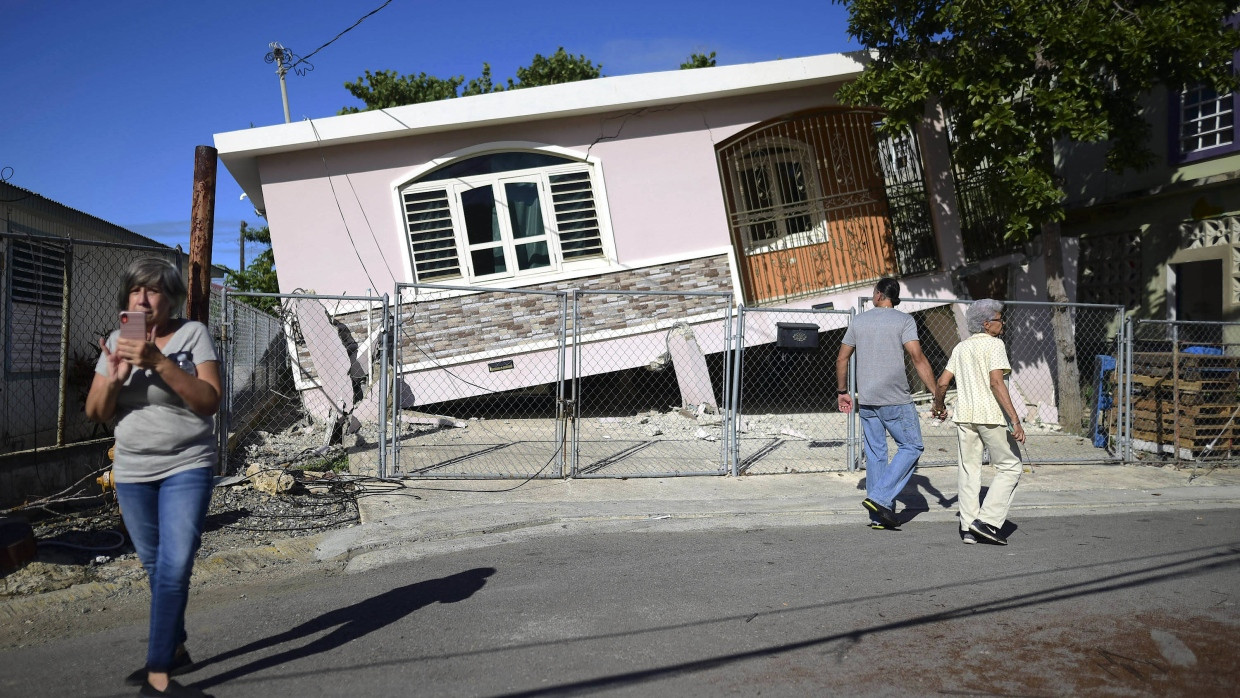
pixel 37 295
pixel 576 218
pixel 430 235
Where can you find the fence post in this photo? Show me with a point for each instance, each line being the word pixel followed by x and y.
pixel 737 363
pixel 384 385
pixel 66 287
pixel 226 383
pixel 1175 389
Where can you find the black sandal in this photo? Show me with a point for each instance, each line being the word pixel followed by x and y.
pixel 174 690
pixel 181 663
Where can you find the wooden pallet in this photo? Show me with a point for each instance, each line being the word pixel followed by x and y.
pixel 1164 359
pixel 1196 444
pixel 1206 431
pixel 1212 385
pixel 1212 398
pixel 1166 405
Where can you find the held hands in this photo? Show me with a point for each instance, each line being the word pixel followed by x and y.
pixel 939 412
pixel 845 403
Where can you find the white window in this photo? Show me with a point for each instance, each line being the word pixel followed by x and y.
pixel 502 215
pixel 36 291
pixel 776 190
pixel 1207 120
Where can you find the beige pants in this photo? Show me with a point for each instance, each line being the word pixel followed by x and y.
pixel 1004 456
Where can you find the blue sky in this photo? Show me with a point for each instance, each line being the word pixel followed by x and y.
pixel 104 102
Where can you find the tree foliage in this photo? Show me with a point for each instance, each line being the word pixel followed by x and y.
pixel 387 88
pixel 260 274
pixel 1019 75
pixel 699 60
pixel 560 67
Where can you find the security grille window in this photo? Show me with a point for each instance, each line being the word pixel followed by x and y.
pixel 36 289
pixel 908 205
pixel 1203 122
pixel 775 185
pixel 1207 121
pixel 502 215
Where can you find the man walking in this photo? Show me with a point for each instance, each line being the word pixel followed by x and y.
pixel 984 417
pixel 881 336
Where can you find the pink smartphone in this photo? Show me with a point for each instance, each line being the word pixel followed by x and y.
pixel 133 325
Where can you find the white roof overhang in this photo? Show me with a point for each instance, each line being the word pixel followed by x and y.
pixel 240 150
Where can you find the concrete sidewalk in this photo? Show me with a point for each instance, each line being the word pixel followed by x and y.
pixel 417 519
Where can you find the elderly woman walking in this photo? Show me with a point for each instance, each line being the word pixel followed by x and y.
pixel 162 389
pixel 986 417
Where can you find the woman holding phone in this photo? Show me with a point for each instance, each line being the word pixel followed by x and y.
pixel 162 386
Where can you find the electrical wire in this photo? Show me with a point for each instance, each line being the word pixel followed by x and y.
pixel 340 209
pixel 303 59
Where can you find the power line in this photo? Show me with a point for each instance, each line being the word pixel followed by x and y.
pixel 303 59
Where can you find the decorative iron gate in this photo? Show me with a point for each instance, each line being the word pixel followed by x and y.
pixel 808 207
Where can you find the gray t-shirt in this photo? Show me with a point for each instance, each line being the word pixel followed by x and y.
pixel 157 435
pixel 879 335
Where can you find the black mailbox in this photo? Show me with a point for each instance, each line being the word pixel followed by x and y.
pixel 796 335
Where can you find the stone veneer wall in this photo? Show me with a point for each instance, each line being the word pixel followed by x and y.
pixel 496 321
pixel 439 327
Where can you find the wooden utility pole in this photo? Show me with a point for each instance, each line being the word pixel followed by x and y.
pixel 201 233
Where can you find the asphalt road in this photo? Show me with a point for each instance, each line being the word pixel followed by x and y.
pixel 1129 604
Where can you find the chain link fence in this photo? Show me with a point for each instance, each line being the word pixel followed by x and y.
pixel 650 383
pixel 307 388
pixel 59 298
pixel 1067 418
pixel 1185 396
pixel 461 382
pixel 481 375
pixel 787 418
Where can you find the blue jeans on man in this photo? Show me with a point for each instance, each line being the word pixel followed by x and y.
pixel 883 479
pixel 165 519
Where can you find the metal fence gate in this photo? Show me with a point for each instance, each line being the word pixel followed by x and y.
pixel 1184 400
pixel 650 377
pixel 480 378
pixel 786 416
pixel 1035 384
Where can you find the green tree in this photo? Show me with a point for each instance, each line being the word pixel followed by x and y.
pixel 387 88
pixel 1019 76
pixel 560 67
pixel 699 60
pixel 260 274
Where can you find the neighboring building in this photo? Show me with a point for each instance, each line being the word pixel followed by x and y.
pixel 750 179
pixel 1164 242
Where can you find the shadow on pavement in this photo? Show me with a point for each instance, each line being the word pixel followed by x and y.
pixel 351 622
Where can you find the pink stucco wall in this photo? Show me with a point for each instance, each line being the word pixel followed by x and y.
pixel 345 234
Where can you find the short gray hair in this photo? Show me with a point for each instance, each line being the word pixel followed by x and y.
pixel 981 311
pixel 153 271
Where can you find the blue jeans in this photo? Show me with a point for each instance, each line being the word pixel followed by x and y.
pixel 165 519
pixel 884 480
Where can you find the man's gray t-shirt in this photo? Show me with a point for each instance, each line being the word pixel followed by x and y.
pixel 157 435
pixel 879 335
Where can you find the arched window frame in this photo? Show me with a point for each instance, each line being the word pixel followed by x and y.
pixel 575 218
